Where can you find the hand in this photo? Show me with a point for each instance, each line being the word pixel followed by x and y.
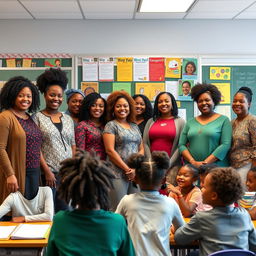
pixel 130 174
pixel 197 164
pixel 50 179
pixel 18 219
pixel 172 189
pixel 12 183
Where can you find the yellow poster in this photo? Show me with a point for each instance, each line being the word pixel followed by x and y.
pixel 173 67
pixel 89 87
pixel 124 69
pixel 220 73
pixel 10 63
pixel 224 88
pixel 151 90
pixel 26 63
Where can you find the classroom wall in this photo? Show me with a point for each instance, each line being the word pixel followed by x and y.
pixel 124 37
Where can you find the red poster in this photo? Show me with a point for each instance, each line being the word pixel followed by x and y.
pixel 156 69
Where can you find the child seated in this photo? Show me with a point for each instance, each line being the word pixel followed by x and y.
pixel 88 229
pixel 39 208
pixel 251 185
pixel 223 227
pixel 150 215
pixel 187 195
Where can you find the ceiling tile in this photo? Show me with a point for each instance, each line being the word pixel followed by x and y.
pixel 249 13
pixel 163 15
pixel 108 15
pixel 13 10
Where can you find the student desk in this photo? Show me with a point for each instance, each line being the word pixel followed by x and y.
pixel 22 247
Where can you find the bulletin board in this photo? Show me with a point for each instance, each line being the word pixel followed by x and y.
pixel 107 87
pixel 243 75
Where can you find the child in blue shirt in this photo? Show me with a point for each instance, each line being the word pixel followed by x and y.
pixel 223 227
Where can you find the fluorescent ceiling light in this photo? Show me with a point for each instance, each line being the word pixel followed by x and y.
pixel 165 5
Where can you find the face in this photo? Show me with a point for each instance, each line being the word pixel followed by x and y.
pixel 164 104
pixel 251 181
pixel 202 178
pixel 121 109
pixel 185 177
pixel 53 97
pixel 190 69
pixel 240 105
pixel 207 191
pixel 205 104
pixel 185 89
pixel 74 103
pixel 97 109
pixel 140 106
pixel 23 100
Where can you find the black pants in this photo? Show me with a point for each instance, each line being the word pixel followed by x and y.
pixel 31 182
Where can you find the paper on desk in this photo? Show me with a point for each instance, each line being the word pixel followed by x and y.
pixel 31 231
pixel 5 232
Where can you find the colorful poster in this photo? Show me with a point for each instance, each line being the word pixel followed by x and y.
pixel 172 87
pixel 173 67
pixel 189 68
pixel 124 69
pixel 52 63
pixel 106 69
pixel 156 69
pixel 123 87
pixel 89 87
pixel 151 90
pixel 26 63
pixel 10 63
pixel 220 73
pixel 90 69
pixel 185 87
pixel 140 69
pixel 225 92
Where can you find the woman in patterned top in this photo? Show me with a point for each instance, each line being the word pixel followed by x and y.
pixel 20 139
pixel 88 133
pixel 243 149
pixel 121 138
pixel 57 129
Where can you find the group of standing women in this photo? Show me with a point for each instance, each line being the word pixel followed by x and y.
pixel 114 129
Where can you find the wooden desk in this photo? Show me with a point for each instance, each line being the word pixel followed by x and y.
pixel 14 247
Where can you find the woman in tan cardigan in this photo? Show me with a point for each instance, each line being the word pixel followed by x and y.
pixel 20 139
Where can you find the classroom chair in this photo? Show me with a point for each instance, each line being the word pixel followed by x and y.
pixel 233 252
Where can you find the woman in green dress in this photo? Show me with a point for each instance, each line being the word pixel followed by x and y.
pixel 206 138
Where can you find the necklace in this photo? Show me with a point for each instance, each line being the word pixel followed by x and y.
pixel 22 115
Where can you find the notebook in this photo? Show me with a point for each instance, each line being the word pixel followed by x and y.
pixel 31 231
pixel 6 231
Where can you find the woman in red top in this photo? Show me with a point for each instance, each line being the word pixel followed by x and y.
pixel 162 132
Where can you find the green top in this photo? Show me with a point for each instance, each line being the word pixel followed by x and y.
pixel 89 233
pixel 204 140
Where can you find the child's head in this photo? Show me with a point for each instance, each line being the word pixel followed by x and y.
pixel 150 172
pixel 186 176
pixel 251 180
pixel 222 187
pixel 85 181
pixel 203 170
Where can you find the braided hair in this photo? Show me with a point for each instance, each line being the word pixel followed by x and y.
pixel 85 181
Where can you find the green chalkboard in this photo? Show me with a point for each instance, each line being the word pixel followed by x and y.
pixel 240 76
pixel 32 74
pixel 106 87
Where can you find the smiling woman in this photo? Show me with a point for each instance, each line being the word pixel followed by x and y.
pixel 20 139
pixel 57 129
pixel 121 138
pixel 207 137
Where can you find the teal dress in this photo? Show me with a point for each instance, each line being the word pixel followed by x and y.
pixel 203 140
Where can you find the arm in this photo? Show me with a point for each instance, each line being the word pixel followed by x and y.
pixel 5 162
pixel 146 140
pixel 225 142
pixel 73 147
pixel 178 220
pixel 49 176
pixel 48 212
pixel 6 206
pixel 252 213
pixel 189 232
pixel 252 132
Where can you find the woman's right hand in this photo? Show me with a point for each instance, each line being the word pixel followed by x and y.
pixel 12 183
pixel 130 174
pixel 50 179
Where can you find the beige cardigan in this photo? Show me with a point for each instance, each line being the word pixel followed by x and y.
pixel 12 152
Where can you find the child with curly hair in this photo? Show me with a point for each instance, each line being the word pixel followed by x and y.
pixel 149 214
pixel 251 185
pixel 223 227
